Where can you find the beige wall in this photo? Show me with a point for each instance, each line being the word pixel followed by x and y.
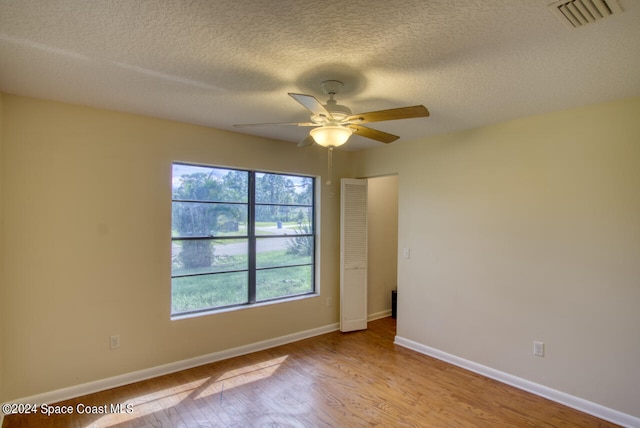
pixel 522 231
pixel 382 222
pixel 86 205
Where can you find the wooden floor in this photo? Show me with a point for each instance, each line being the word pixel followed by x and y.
pixel 334 380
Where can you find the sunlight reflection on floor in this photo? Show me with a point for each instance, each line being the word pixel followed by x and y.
pixel 163 399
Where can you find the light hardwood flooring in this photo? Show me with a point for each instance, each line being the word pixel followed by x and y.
pixel 335 380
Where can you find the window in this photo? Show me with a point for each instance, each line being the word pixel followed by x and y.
pixel 239 237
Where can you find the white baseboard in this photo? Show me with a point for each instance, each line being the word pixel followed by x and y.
pixel 378 315
pixel 127 378
pixel 577 403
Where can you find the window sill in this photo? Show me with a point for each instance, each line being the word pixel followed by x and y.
pixel 243 307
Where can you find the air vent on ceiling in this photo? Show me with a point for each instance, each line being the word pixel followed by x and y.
pixel 576 13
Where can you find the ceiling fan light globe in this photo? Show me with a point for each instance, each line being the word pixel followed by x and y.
pixel 331 136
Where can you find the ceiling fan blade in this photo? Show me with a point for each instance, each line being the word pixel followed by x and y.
pixel 391 114
pixel 250 125
pixel 374 134
pixel 311 103
pixel 306 142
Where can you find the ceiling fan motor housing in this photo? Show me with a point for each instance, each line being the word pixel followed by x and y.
pixel 338 111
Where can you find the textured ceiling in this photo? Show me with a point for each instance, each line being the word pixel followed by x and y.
pixel 217 63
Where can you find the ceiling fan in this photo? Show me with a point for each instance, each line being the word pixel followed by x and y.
pixel 333 123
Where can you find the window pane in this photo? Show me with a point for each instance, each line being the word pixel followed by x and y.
pixel 194 219
pixel 208 256
pixel 273 252
pixel 195 293
pixel 199 183
pixel 281 282
pixel 283 220
pixel 212 205
pixel 283 189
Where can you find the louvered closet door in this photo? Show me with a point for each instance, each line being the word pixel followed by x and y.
pixel 353 255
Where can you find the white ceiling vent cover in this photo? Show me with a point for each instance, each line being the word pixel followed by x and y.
pixel 576 13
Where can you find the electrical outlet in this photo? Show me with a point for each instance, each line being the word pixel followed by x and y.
pixel 406 253
pixel 538 348
pixel 114 341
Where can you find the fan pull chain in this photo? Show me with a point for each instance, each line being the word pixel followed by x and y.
pixel 330 166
